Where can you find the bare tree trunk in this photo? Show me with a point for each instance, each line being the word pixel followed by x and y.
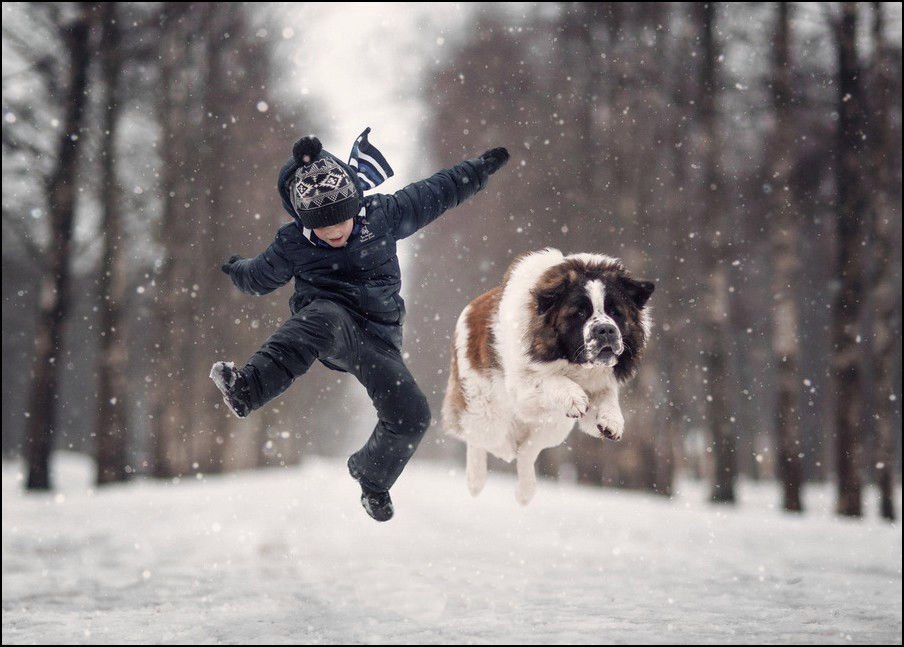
pixel 217 98
pixel 785 334
pixel 716 301
pixel 54 301
pixel 168 410
pixel 882 281
pixel 658 105
pixel 850 207
pixel 112 428
pixel 669 244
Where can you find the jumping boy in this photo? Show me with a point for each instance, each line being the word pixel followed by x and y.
pixel 346 310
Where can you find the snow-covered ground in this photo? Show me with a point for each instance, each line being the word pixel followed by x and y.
pixel 289 557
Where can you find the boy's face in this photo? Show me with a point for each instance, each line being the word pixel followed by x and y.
pixel 336 235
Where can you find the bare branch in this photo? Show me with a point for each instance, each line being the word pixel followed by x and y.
pixel 12 224
pixel 17 143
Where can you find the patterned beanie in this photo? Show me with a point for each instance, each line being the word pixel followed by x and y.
pixel 322 190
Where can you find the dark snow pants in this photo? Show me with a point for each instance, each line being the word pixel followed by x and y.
pixel 327 331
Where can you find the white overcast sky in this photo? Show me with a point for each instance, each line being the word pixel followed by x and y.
pixel 370 62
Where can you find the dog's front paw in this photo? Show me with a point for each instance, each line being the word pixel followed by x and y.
pixel 610 423
pixel 576 402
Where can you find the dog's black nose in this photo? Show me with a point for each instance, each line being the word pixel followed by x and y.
pixel 605 333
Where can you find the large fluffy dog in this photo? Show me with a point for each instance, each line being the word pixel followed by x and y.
pixel 549 345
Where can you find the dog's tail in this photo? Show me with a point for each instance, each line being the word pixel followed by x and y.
pixel 454 400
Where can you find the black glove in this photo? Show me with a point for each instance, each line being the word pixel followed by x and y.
pixel 227 266
pixel 494 159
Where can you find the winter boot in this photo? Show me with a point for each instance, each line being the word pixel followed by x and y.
pixel 233 386
pixel 376 503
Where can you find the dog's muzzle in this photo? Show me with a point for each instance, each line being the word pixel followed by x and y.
pixel 605 344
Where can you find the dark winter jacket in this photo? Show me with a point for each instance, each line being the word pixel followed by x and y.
pixel 363 275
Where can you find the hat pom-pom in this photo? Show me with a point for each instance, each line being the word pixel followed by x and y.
pixel 306 149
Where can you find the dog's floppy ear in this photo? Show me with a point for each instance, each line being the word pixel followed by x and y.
pixel 638 291
pixel 550 292
pixel 549 298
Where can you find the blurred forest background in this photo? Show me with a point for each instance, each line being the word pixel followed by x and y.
pixel 745 156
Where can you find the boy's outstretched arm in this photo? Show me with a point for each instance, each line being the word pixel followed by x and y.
pixel 263 273
pixel 420 203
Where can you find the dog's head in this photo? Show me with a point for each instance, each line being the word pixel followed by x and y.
pixel 588 310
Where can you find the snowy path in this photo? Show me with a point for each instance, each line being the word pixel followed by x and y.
pixel 289 557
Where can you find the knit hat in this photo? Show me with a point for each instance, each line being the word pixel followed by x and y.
pixel 322 190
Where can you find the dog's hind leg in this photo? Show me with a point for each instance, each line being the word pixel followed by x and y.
pixel 476 468
pixel 527 476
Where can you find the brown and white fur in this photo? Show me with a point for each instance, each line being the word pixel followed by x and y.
pixel 547 346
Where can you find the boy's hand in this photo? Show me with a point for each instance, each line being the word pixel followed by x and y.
pixel 227 266
pixel 494 159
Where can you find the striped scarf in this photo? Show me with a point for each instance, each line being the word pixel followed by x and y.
pixel 372 168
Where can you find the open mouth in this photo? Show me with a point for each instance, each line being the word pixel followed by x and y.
pixel 607 355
